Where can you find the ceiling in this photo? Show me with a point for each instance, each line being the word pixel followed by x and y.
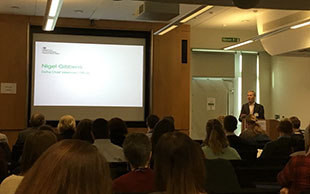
pixel 223 16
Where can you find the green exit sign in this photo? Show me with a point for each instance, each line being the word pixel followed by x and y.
pixel 230 39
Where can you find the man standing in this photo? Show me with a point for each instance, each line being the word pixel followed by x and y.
pixel 252 108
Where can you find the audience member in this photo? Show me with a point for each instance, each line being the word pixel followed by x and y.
pixel 48 128
pixel 66 127
pixel 179 165
pixel 110 151
pixel 3 138
pixel 163 126
pixel 151 121
pixel 282 147
pixel 84 131
pixel 68 167
pixel 254 132
pixel 245 149
pixel 295 176
pixel 297 136
pixel 36 121
pixel 216 143
pixel 36 143
pixel 137 150
pixel 118 131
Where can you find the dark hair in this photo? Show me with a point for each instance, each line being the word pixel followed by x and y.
pixel 118 130
pixel 70 167
pixel 100 129
pixel 83 131
pixel 36 143
pixel 179 165
pixel 285 126
pixel 296 122
pixel 163 126
pixel 230 123
pixel 151 121
pixel 137 149
pixel 37 120
pixel 216 138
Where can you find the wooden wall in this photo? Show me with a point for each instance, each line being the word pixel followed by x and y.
pixel 170 82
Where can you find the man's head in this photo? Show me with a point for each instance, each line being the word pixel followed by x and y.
pixel 230 123
pixel 285 127
pixel 251 96
pixel 151 121
pixel 296 122
pixel 100 129
pixel 137 149
pixel 37 120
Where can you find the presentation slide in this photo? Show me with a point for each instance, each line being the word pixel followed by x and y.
pixel 87 74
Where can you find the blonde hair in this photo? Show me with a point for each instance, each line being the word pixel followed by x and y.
pixel 66 122
pixel 256 128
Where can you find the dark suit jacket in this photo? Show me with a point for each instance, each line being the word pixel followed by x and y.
pixel 258 108
pixel 278 149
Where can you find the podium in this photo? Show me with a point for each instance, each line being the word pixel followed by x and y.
pixel 269 125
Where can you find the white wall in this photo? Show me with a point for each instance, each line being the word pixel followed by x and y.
pixel 291 87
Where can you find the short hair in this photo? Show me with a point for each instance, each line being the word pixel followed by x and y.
pixel 252 91
pixel 151 121
pixel 84 131
pixel 296 122
pixel 36 143
pixel 285 126
pixel 216 138
pixel 163 126
pixel 117 126
pixel 66 122
pixel 100 129
pixel 137 149
pixel 179 165
pixel 71 167
pixel 37 120
pixel 230 123
pixel 250 119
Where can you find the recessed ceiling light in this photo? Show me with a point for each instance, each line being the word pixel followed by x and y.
pixel 78 11
pixel 15 7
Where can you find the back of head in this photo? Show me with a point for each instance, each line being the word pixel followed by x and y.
pixel 163 126
pixel 179 165
pixel 137 149
pixel 251 120
pixel 285 126
pixel 37 120
pixel 66 122
pixel 35 144
pixel 117 127
pixel 151 121
pixel 100 129
pixel 216 138
pixel 230 123
pixel 296 122
pixel 84 131
pixel 70 167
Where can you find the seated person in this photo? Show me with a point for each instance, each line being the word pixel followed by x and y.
pixel 137 150
pixel 245 149
pixel 84 131
pixel 179 165
pixel 66 127
pixel 150 123
pixel 280 148
pixel 216 144
pixel 297 136
pixel 295 176
pixel 68 167
pixel 36 143
pixel 110 151
pixel 254 133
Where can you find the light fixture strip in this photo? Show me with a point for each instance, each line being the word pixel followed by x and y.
pixel 52 11
pixel 49 25
pixel 196 13
pixel 301 25
pixel 168 29
pixel 238 45
pixel 54 7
